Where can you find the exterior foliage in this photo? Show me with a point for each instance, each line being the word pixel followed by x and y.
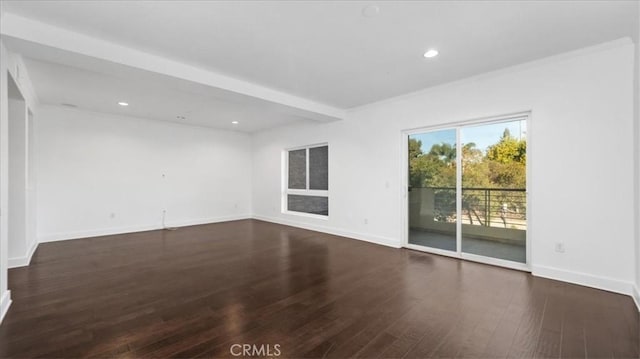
pixel 503 165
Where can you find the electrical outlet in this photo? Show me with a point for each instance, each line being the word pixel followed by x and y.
pixel 559 247
pixel 112 215
pixel 366 221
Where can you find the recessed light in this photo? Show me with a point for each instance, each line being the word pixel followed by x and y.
pixel 121 103
pixel 370 11
pixel 235 122
pixel 431 53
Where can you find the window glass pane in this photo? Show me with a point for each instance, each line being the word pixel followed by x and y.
pixel 494 200
pixel 298 169
pixel 319 168
pixel 308 204
pixel 432 189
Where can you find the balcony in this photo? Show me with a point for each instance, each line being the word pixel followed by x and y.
pixel 494 220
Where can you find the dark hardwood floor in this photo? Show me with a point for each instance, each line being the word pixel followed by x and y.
pixel 197 291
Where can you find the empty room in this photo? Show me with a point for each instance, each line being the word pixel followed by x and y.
pixel 319 179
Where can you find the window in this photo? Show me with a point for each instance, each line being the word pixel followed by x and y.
pixel 307 180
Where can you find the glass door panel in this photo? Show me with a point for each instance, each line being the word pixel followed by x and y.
pixel 494 203
pixel 432 189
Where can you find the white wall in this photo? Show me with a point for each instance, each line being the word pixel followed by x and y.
pixel 5 294
pixel 17 211
pixel 637 161
pixel 11 64
pixel 581 157
pixel 31 187
pixel 101 174
pixel 22 241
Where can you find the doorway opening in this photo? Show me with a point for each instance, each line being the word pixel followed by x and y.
pixel 21 203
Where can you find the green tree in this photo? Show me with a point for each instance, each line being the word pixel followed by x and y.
pixel 440 164
pixel 503 165
pixel 475 169
pixel 417 173
pixel 433 169
pixel 507 161
pixel 445 152
pixel 509 149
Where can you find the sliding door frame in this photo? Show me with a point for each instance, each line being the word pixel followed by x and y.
pixel 457 126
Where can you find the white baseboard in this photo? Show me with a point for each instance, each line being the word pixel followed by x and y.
pixel 63 236
pixel 5 303
pixel 195 222
pixel 588 280
pixel 389 242
pixel 23 261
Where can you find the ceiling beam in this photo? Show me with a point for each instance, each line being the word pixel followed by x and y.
pixel 44 34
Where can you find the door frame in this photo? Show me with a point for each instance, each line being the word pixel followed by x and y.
pixel 404 202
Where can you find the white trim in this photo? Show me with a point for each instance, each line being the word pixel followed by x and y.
pixel 433 250
pixel 404 206
pixel 199 221
pixel 458 191
pixel 23 261
pixel 529 182
pixel 471 257
pixel 284 180
pixel 305 214
pixel 302 147
pixel 389 242
pixel 307 174
pixel 309 192
pixel 62 236
pixel 636 294
pixel 588 280
pixel 624 41
pixel 452 125
pixel 404 188
pixel 495 262
pixel 5 303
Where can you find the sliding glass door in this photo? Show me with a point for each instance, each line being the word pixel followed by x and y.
pixel 432 189
pixel 494 203
pixel 467 191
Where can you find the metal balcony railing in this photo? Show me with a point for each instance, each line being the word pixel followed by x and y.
pixel 491 207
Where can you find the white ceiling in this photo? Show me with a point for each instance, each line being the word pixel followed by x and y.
pixel 327 51
pixel 62 77
pixel 154 98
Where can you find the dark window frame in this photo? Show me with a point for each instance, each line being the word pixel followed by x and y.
pixel 321 183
